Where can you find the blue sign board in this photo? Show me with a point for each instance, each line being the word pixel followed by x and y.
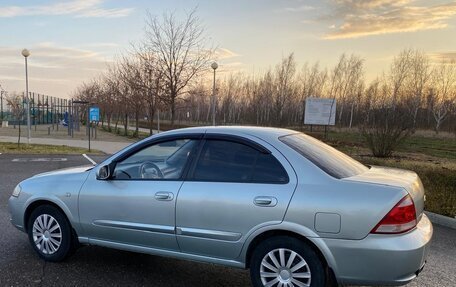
pixel 94 114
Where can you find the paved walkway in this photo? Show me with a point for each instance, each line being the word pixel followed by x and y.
pixel 104 146
pixel 58 138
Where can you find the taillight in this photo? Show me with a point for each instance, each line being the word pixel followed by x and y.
pixel 400 219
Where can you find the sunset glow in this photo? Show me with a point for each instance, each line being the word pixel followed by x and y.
pixel 73 40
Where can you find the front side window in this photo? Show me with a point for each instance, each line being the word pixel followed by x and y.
pixel 164 160
pixel 228 161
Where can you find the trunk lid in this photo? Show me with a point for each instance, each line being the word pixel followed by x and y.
pixel 388 176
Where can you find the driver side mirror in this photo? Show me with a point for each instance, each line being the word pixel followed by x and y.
pixel 104 173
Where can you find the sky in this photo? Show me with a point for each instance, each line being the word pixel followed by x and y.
pixel 72 41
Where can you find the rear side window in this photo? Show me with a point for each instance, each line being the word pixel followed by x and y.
pixel 268 169
pixel 228 161
pixel 327 158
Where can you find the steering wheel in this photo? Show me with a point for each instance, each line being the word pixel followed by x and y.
pixel 150 170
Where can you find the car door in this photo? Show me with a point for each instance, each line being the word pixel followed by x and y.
pixel 137 205
pixel 234 187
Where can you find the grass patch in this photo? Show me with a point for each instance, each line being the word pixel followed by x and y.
pixel 431 146
pixel 42 149
pixel 438 147
pixel 166 125
pixel 131 134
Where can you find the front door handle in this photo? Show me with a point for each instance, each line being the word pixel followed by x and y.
pixel 265 201
pixel 164 196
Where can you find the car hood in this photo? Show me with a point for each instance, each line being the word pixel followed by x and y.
pixel 57 183
pixel 406 179
pixel 71 170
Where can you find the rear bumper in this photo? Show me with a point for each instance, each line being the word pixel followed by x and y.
pixel 382 259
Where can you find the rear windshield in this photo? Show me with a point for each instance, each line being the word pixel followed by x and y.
pixel 329 159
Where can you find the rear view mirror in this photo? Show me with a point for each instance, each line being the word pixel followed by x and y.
pixel 104 173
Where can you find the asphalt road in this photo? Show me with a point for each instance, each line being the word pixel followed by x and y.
pixel 97 266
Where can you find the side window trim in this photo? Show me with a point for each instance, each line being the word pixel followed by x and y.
pixel 239 140
pixel 189 175
pixel 191 163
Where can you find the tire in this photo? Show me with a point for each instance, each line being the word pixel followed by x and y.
pixel 305 262
pixel 50 233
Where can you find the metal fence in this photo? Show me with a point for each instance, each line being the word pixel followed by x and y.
pixel 44 109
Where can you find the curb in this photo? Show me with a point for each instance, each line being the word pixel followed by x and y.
pixel 441 219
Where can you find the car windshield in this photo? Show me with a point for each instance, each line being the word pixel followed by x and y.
pixel 327 158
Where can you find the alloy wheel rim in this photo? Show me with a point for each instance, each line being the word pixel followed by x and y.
pixel 47 234
pixel 284 268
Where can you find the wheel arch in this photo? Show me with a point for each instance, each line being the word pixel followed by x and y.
pixel 315 243
pixel 40 202
pixel 280 232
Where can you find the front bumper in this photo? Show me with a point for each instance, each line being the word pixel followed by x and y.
pixel 16 209
pixel 382 259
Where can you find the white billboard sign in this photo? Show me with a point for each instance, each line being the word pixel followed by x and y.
pixel 320 111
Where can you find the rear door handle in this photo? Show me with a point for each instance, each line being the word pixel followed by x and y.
pixel 164 196
pixel 265 201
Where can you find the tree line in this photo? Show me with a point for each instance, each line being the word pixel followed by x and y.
pixel 169 71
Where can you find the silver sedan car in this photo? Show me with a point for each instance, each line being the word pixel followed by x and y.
pixel 292 209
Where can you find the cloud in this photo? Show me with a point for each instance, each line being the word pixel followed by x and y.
pixel 77 8
pixel 228 60
pixel 375 17
pixel 101 45
pixel 11 78
pixel 223 53
pixel 299 8
pixel 443 56
pixel 369 4
pixel 53 69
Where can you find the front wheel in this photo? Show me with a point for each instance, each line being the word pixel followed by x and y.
pixel 286 262
pixel 50 233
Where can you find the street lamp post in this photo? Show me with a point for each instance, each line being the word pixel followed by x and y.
pixel 1 104
pixel 214 66
pixel 26 53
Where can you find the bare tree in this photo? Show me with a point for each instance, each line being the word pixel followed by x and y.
pixel 351 73
pixel 284 91
pixel 342 80
pixel 312 83
pixel 179 48
pixel 386 124
pixel 14 101
pixel 416 83
pixel 134 78
pixel 399 71
pixel 262 99
pixel 443 94
pixel 111 85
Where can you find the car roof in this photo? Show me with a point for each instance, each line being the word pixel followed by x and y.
pixel 260 132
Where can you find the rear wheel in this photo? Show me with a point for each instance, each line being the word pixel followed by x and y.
pixel 50 233
pixel 286 262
